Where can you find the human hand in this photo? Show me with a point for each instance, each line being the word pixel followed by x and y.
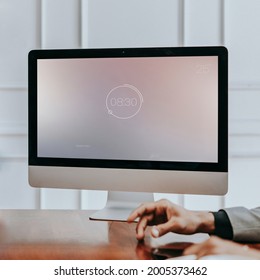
pixel 218 246
pixel 169 217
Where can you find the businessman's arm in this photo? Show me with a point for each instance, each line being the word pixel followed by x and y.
pixel 245 223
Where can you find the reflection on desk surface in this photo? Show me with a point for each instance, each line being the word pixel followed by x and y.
pixel 172 244
pixel 178 238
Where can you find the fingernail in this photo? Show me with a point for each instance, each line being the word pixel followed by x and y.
pixel 155 232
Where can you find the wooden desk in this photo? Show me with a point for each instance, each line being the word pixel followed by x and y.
pixel 58 234
pixel 68 234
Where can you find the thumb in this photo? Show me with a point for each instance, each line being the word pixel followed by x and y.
pixel 161 229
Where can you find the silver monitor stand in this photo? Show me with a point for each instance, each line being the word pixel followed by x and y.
pixel 120 204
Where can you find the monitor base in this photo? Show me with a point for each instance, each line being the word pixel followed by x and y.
pixel 120 204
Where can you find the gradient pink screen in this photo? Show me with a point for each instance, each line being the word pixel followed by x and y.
pixel 161 109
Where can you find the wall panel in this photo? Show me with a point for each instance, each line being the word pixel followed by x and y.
pixel 59 199
pixel 244 122
pixel 242 26
pixel 13 109
pixel 244 182
pixel 203 22
pixel 61 22
pixel 19 33
pixel 93 199
pixel 244 104
pixel 130 23
pixel 14 188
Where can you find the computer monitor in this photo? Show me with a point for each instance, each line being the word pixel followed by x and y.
pixel 130 121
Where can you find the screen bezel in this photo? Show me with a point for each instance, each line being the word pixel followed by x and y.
pixel 220 52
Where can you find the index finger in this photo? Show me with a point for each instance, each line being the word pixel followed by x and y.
pixel 145 208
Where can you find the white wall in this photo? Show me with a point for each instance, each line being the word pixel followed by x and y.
pixel 29 24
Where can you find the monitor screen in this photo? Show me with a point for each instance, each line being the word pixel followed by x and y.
pixel 143 109
pixel 136 119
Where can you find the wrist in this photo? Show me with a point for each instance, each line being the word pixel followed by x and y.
pixel 206 222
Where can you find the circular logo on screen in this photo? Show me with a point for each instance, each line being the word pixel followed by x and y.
pixel 124 101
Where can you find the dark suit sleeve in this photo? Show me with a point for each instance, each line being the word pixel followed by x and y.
pixel 223 226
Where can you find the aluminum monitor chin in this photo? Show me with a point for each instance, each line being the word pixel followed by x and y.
pixel 129 120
